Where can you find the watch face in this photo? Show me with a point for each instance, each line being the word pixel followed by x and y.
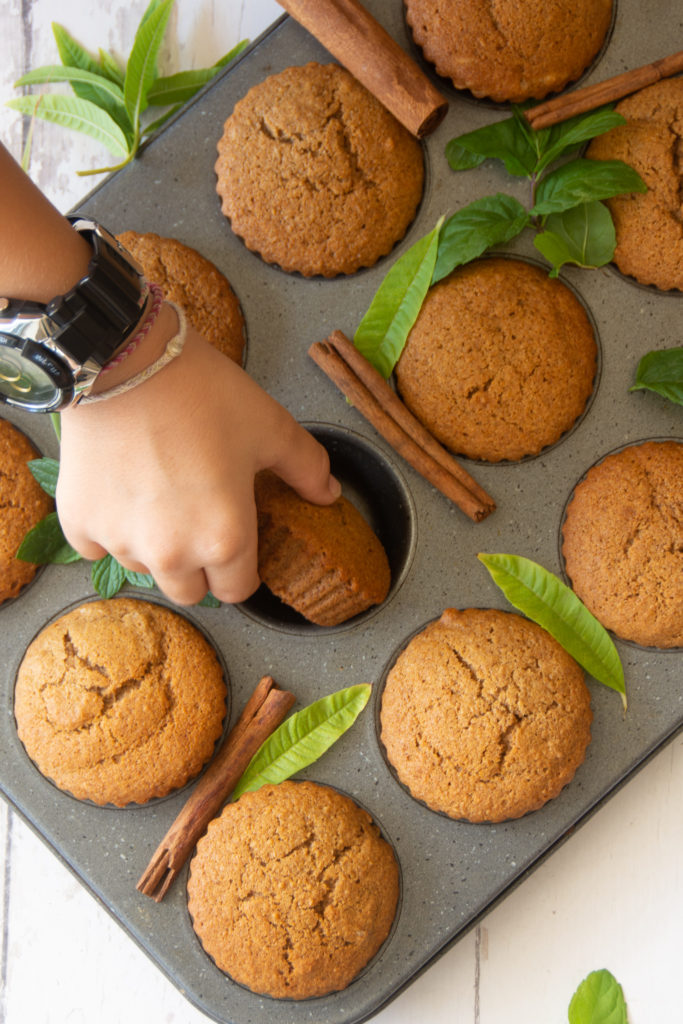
pixel 29 379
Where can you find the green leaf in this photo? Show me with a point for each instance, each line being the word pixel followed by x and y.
pixel 544 598
pixel 473 229
pixel 111 68
pixel 209 601
pixel 141 69
pixel 502 140
pixel 662 371
pixel 138 579
pixel 179 88
pixel 583 235
pixel 100 91
pixel 599 999
pixel 154 126
pixel 45 543
pixel 461 159
pixel 383 331
pixel 71 53
pixel 571 133
pixel 56 421
pixel 583 181
pixel 107 576
pixel 79 115
pixel 45 471
pixel 303 738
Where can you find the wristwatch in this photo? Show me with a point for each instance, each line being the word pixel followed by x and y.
pixel 51 355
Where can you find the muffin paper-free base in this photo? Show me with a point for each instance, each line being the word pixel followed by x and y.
pixel 452 872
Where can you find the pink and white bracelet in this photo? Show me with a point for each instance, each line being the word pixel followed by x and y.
pixel 157 302
pixel 174 347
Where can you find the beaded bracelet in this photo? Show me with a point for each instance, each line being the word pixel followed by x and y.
pixel 173 348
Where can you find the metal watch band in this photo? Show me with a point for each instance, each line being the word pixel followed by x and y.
pixel 103 309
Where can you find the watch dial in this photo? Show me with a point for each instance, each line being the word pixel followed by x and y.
pixel 24 383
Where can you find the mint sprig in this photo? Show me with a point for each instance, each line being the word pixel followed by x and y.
pixel 566 212
pixel 109 101
pixel 661 371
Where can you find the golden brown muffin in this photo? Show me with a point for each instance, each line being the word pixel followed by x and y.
pixel 120 701
pixel 23 503
pixel 484 716
pixel 649 225
pixel 500 362
pixel 325 561
pixel 315 174
pixel 623 542
pixel 509 50
pixel 293 890
pixel 193 283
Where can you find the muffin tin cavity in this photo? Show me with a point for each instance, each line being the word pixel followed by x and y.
pixel 373 484
pixel 633 555
pixel 133 686
pixel 336 869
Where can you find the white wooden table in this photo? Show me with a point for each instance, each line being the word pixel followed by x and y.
pixel 611 896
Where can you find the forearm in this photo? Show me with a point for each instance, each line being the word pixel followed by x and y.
pixel 40 253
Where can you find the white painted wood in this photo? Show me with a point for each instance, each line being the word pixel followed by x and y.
pixel 611 896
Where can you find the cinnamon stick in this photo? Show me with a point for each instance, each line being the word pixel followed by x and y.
pixel 367 390
pixel 592 96
pixel 263 712
pixel 365 48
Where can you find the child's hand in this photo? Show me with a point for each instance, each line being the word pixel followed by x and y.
pixel 161 477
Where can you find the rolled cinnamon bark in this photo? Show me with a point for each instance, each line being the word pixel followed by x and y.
pixel 366 49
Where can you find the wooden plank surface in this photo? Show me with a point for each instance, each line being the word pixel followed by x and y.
pixel 612 896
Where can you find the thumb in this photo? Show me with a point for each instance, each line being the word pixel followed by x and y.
pixel 304 464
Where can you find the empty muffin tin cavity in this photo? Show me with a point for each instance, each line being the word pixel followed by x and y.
pixel 377 489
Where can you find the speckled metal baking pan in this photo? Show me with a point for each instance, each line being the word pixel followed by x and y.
pixel 452 872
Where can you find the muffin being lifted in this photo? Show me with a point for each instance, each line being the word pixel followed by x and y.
pixel 325 561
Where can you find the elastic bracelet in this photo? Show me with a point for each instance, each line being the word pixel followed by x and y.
pixel 173 348
pixel 157 302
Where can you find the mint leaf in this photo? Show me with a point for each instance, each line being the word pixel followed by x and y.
pixel 583 235
pixel 544 598
pixel 45 471
pixel 492 220
pixel 382 333
pixel 599 999
pixel 46 543
pixel 501 141
pixel 79 115
pixel 583 181
pixel 662 371
pixel 571 133
pixel 209 601
pixel 138 579
pixel 107 576
pixel 303 738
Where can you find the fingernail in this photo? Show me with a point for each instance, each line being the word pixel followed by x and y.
pixel 335 487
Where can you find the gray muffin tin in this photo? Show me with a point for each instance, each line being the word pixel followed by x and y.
pixel 452 872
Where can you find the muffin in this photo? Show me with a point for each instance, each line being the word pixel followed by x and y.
pixel 649 225
pixel 293 890
pixel 509 51
pixel 500 361
pixel 193 283
pixel 119 701
pixel 23 503
pixel 485 716
pixel 315 174
pixel 623 542
pixel 325 561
